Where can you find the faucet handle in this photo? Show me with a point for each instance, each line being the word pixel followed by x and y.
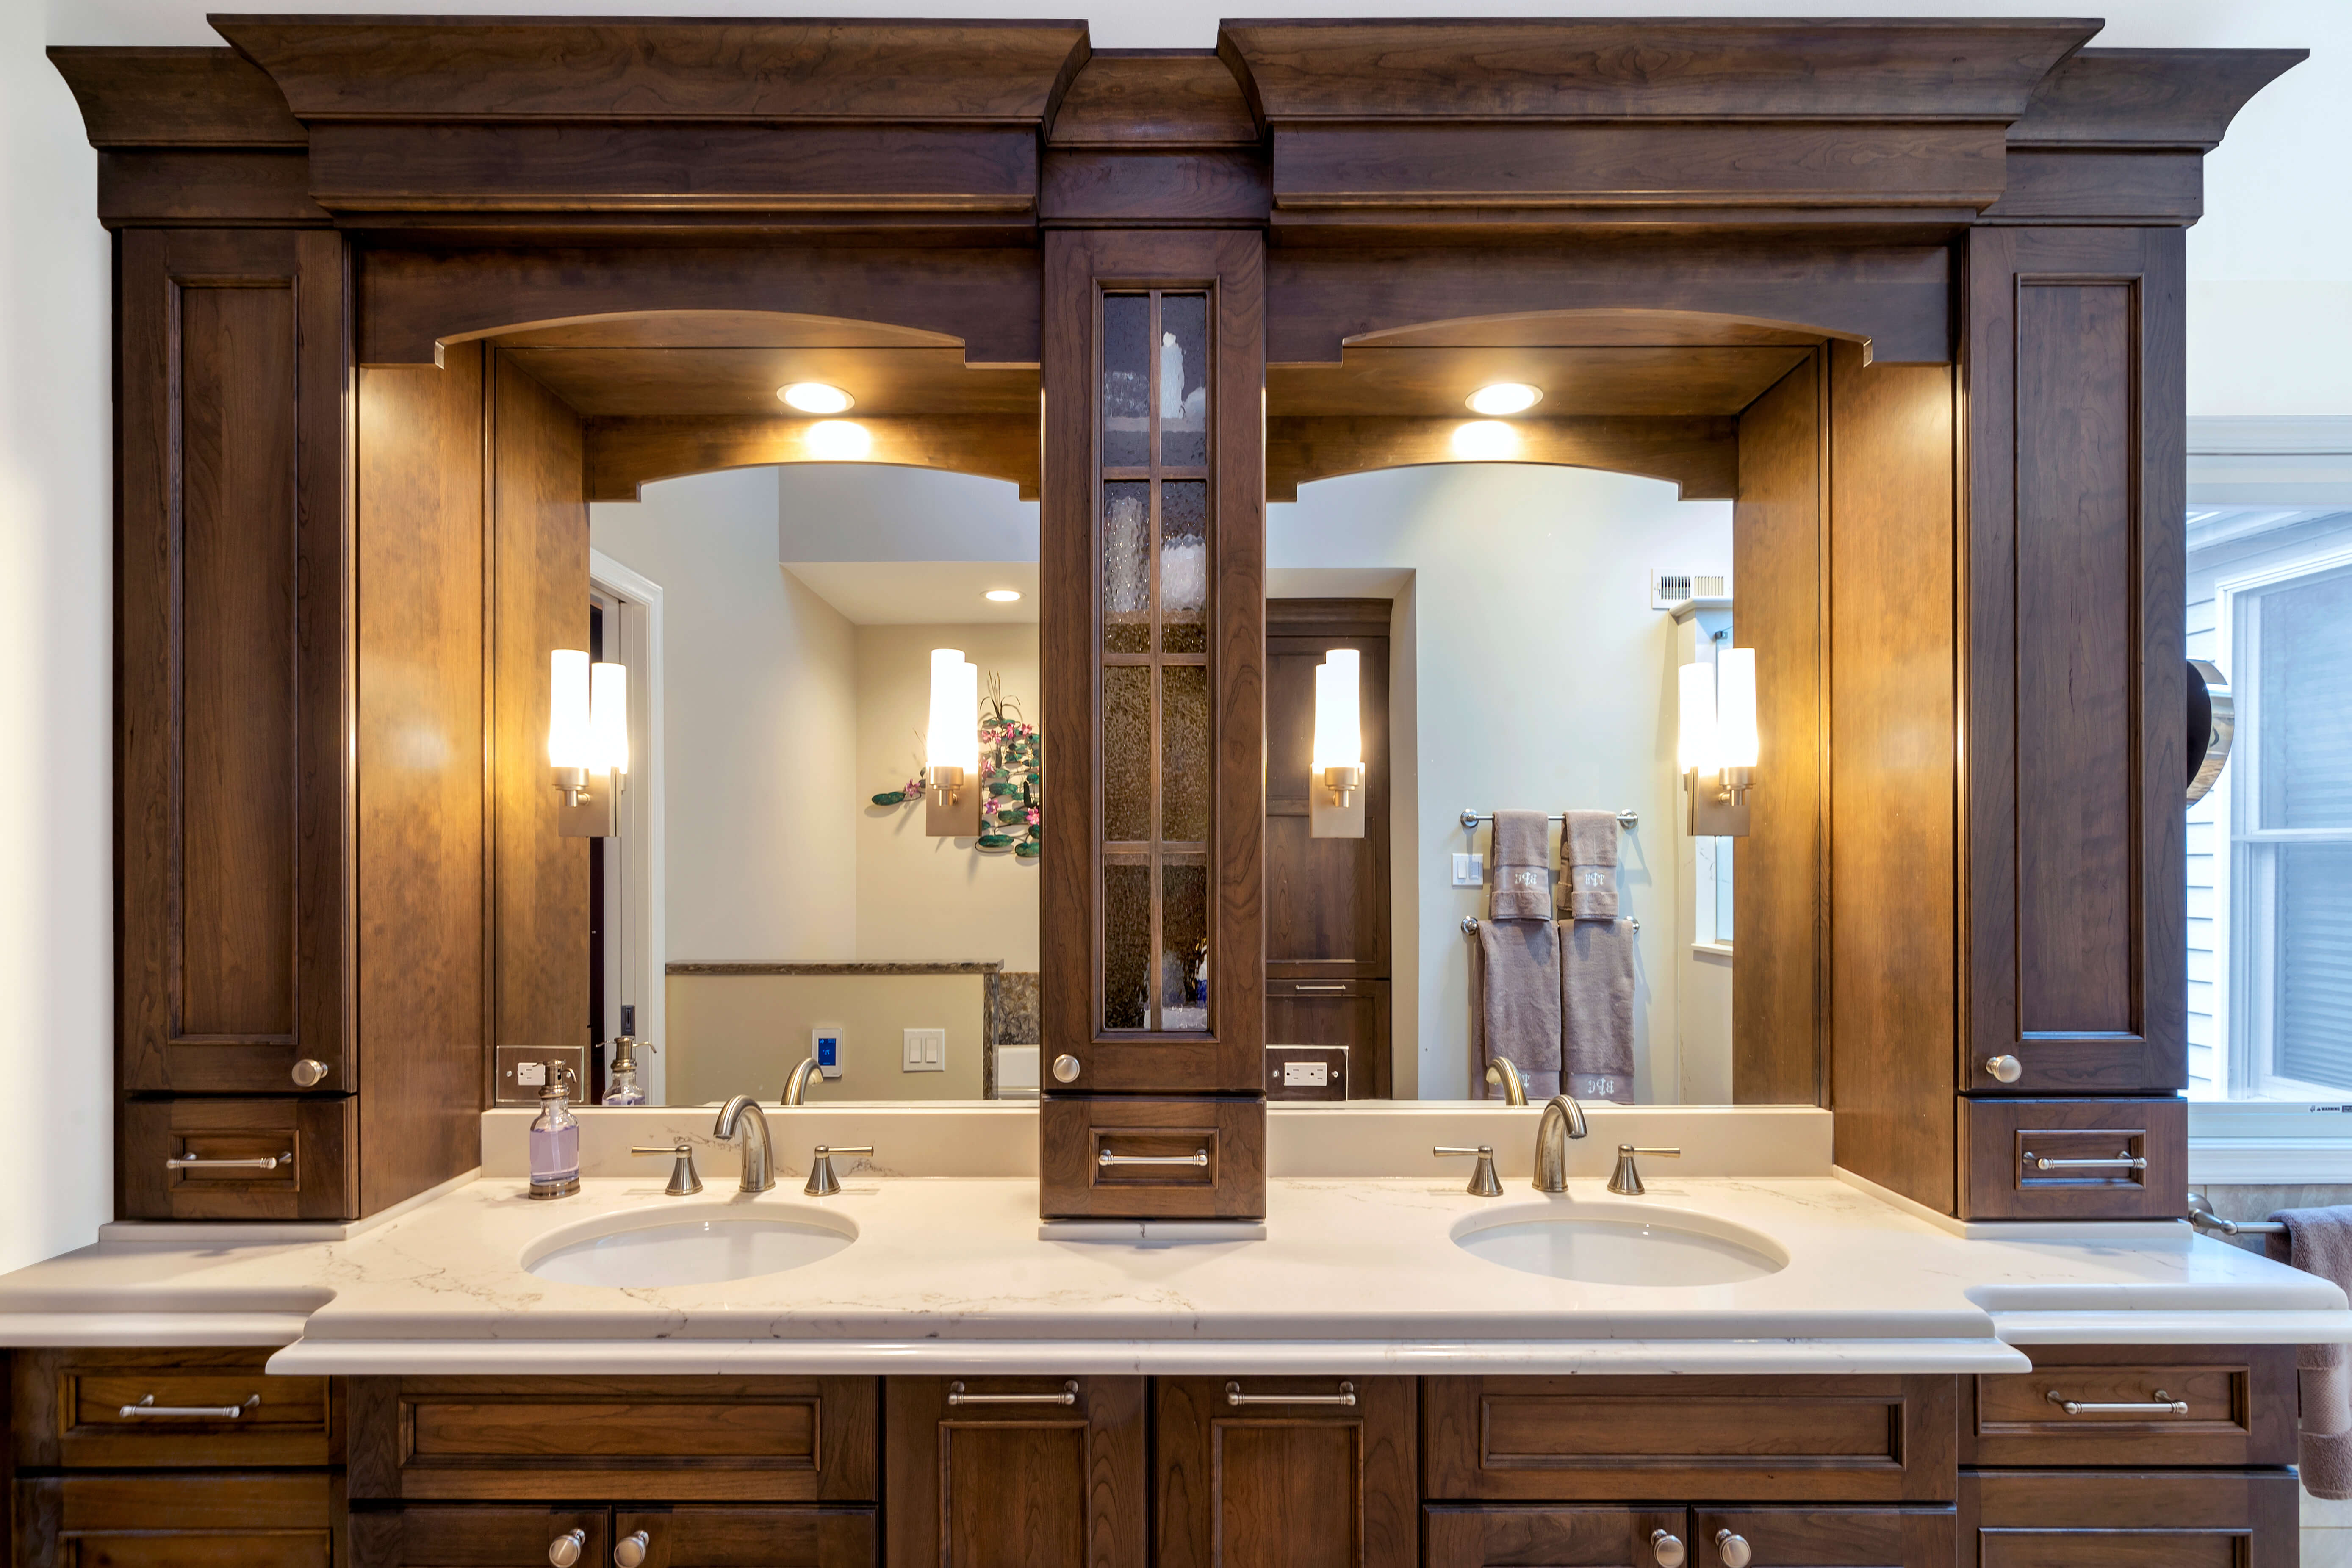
pixel 822 1183
pixel 1627 1181
pixel 1482 1184
pixel 684 1181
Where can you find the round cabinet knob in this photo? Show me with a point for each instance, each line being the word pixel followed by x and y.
pixel 309 1071
pixel 564 1550
pixel 1066 1068
pixel 1668 1548
pixel 2005 1069
pixel 629 1551
pixel 1732 1549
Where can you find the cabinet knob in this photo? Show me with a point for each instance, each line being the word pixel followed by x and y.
pixel 2005 1069
pixel 1066 1068
pixel 1732 1549
pixel 564 1550
pixel 629 1551
pixel 1668 1548
pixel 309 1071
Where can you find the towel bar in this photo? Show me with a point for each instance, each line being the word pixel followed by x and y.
pixel 1470 924
pixel 2202 1217
pixel 1627 820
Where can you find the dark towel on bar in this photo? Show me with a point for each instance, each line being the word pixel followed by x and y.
pixel 1522 870
pixel 2319 1241
pixel 1515 1000
pixel 1588 857
pixel 1596 1007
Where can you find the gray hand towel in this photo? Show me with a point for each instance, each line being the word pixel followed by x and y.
pixel 1596 1007
pixel 2319 1241
pixel 1587 855
pixel 1516 1002
pixel 1522 870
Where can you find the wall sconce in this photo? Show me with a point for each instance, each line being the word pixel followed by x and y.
pixel 951 748
pixel 588 741
pixel 1719 741
pixel 1335 788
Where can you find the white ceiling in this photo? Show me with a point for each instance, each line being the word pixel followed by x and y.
pixel 922 593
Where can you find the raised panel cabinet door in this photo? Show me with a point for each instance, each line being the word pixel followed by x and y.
pixel 1015 1472
pixel 1284 1472
pixel 479 1535
pixel 2075 687
pixel 232 642
pixel 216 1521
pixel 739 1535
pixel 2106 1519
pixel 1829 1537
pixel 1505 1535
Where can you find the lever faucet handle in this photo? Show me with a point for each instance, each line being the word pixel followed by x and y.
pixel 1627 1181
pixel 1482 1184
pixel 822 1183
pixel 684 1181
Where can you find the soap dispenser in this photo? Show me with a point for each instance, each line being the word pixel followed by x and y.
pixel 620 1086
pixel 555 1139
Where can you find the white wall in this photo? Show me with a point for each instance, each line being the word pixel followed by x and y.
pixel 919 897
pixel 2277 242
pixel 1542 681
pixel 759 749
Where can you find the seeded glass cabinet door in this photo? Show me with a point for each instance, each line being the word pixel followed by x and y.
pixel 1154 637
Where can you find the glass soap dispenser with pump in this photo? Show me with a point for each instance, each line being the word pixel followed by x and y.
pixel 555 1139
pixel 620 1086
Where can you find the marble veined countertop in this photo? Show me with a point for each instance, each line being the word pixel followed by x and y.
pixel 951 1276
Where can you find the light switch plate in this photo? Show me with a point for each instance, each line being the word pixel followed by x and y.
pixel 926 1051
pixel 1469 870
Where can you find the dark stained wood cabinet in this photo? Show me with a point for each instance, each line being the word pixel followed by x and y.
pixel 70 1409
pixel 2160 1519
pixel 1270 1483
pixel 1000 1472
pixel 2242 1403
pixel 1521 1535
pixel 248 1520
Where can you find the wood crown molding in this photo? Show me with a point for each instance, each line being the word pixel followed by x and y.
pixel 2134 100
pixel 176 98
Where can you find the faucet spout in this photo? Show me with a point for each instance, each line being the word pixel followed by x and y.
pixel 1563 1119
pixel 796 1086
pixel 1504 1071
pixel 759 1159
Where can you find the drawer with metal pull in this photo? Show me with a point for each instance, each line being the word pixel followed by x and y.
pixel 2096 1404
pixel 239 1159
pixel 2072 1159
pixel 136 1409
pixel 1129 1157
pixel 491 1535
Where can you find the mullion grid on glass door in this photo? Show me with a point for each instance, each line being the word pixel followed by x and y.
pixel 1152 853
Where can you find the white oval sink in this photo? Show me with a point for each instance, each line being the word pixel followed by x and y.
pixel 1625 1244
pixel 697 1244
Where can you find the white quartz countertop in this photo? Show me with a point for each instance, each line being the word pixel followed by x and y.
pixel 1352 1275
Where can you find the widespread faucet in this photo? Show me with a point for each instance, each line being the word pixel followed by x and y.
pixel 1563 1119
pixel 1502 1070
pixel 796 1086
pixel 758 1159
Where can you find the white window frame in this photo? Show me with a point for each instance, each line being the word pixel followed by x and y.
pixel 2261 461
pixel 636 865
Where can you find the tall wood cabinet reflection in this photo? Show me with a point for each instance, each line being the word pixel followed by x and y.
pixel 1328 910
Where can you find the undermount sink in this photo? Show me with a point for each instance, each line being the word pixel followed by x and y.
pixel 1619 1244
pixel 690 1244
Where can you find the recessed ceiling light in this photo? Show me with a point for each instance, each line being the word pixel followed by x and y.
pixel 838 441
pixel 1505 397
pixel 817 397
pixel 1002 595
pixel 1485 441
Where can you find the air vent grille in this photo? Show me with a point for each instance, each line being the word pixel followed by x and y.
pixel 1668 589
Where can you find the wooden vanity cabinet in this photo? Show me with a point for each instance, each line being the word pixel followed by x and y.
pixel 2164 1519
pixel 207 1521
pixel 690 1535
pixel 1277 1470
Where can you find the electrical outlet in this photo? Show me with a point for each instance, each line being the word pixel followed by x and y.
pixel 1469 870
pixel 926 1051
pixel 530 1075
pixel 1308 1074
pixel 824 1045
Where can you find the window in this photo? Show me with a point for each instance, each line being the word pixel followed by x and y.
pixel 2269 850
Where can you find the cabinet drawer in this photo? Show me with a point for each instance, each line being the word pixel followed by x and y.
pixel 762 1440
pixel 1214 1149
pixel 2240 1402
pixel 177 1521
pixel 1824 1537
pixel 1856 1439
pixel 310 1145
pixel 83 1409
pixel 474 1535
pixel 2108 1519
pixel 736 1536
pixel 1505 1536
pixel 2017 1159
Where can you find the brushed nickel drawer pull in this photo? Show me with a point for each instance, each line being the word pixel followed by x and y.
pixel 1347 1395
pixel 189 1163
pixel 563 1551
pixel 1107 1159
pixel 148 1408
pixel 629 1551
pixel 1320 990
pixel 1069 1395
pixel 2122 1162
pixel 2162 1404
pixel 1733 1548
pixel 1668 1549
